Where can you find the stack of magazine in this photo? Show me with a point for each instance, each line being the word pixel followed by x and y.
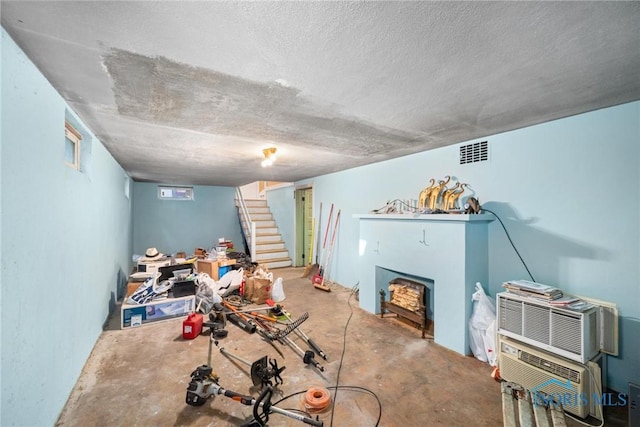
pixel 549 294
pixel 533 290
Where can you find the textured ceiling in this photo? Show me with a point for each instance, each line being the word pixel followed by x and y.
pixel 191 92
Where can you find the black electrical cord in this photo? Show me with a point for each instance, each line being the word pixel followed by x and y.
pixel 342 387
pixel 344 348
pixel 510 241
pixel 364 390
pixel 345 387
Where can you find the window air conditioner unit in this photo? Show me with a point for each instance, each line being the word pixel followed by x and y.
pixel 576 335
pixel 576 386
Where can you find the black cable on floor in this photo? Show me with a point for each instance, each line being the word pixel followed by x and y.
pixel 337 386
pixel 344 348
pixel 510 241
pixel 342 387
pixel 364 390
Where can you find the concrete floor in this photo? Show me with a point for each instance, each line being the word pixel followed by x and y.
pixel 138 377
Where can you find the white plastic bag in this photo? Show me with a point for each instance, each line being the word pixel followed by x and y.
pixel 277 293
pixel 230 281
pixel 489 340
pixel 206 293
pixel 482 327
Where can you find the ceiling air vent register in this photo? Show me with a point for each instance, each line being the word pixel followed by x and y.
pixel 476 152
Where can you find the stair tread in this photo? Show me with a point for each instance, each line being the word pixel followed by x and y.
pixel 267 229
pixel 270 251
pixel 265 261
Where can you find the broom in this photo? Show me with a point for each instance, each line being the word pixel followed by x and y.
pixel 315 271
pixel 318 279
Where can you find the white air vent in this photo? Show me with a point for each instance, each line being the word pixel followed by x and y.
pixel 548 364
pixel 476 152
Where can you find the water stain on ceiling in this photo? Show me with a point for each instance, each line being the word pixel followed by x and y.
pixel 164 92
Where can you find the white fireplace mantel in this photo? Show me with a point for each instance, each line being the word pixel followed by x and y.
pixel 448 249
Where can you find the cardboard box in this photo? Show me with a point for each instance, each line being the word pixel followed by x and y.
pixel 132 315
pixel 226 262
pixel 131 288
pixel 212 266
pixel 209 266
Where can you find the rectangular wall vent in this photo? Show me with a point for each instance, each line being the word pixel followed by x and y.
pixel 476 152
pixel 548 365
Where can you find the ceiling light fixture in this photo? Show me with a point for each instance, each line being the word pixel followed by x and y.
pixel 269 156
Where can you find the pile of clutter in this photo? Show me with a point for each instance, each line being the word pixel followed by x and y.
pixel 161 278
pixel 255 287
pixel 165 276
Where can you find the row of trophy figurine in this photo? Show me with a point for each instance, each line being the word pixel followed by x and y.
pixel 437 197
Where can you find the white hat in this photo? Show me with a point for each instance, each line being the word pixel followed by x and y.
pixel 151 254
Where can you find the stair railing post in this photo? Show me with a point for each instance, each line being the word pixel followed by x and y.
pixel 253 242
pixel 251 226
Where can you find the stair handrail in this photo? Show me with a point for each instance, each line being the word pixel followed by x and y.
pixel 252 225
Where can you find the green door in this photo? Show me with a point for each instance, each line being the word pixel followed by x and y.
pixel 304 225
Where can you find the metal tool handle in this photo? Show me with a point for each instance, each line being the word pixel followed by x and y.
pixel 248 400
pixel 307 356
pixel 233 356
pixel 264 402
pixel 304 336
pixel 241 323
pixel 211 339
pixel 295 324
pixel 245 400
pixel 316 348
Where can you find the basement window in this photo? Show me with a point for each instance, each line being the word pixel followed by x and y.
pixel 127 187
pixel 175 193
pixel 77 144
pixel 72 140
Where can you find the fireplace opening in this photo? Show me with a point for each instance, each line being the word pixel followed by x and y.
pixel 408 299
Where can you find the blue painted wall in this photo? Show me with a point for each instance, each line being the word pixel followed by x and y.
pixel 568 192
pixel 179 225
pixel 66 245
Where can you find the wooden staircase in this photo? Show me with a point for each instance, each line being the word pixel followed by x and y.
pixel 270 249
